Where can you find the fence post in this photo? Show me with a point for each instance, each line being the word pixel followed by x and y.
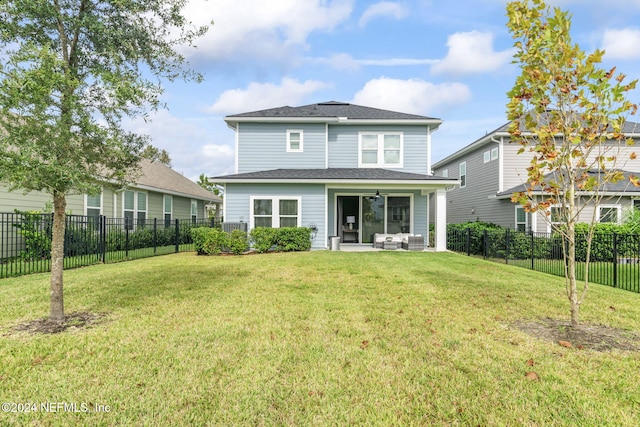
pixel 155 235
pixel 468 241
pixel 103 238
pixel 126 239
pixel 177 236
pixel 485 243
pixel 213 222
pixel 615 260
pixel 533 246
pixel 507 245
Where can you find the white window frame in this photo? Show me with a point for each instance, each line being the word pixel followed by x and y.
pixel 380 151
pixel 164 209
pixel 275 209
pixel 87 207
pixel 487 156
pixel 618 209
pixel 295 150
pixel 463 182
pixel 194 215
pixel 136 207
pixel 526 218
pixel 495 153
pixel 445 173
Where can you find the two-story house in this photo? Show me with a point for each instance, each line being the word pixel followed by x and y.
pixel 490 170
pixel 342 169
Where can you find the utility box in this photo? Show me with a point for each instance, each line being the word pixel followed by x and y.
pixel 334 243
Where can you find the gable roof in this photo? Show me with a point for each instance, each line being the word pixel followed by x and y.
pixel 335 175
pixel 331 112
pixel 156 176
pixel 629 129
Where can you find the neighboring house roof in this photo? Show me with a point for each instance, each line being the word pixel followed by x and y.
pixel 159 177
pixel 328 112
pixel 622 186
pixel 629 129
pixel 333 174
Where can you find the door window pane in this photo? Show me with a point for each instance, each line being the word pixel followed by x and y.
pixel 398 214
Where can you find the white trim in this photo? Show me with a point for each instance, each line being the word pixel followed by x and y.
pixel 460 174
pixel 501 166
pixel 326 145
pixel 616 207
pixel 237 143
pixel 231 121
pixel 429 170
pixel 486 156
pixel 275 209
pixel 347 182
pixel 288 147
pixel 93 207
pixel 380 150
pixel 495 153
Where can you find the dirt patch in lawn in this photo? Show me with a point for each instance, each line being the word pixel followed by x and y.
pixel 584 336
pixel 73 321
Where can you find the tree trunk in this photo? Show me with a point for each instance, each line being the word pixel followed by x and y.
pixel 57 258
pixel 571 270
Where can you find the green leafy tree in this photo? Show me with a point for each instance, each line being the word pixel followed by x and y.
pixel 156 154
pixel 71 71
pixel 207 184
pixel 568 114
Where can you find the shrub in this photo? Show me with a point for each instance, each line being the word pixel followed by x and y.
pixel 238 242
pixel 36 228
pixel 262 238
pixel 293 239
pixel 209 241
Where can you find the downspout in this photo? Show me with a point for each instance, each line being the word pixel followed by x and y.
pixel 500 143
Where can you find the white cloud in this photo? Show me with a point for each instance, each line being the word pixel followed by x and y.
pixel 412 96
pixel 383 8
pixel 471 52
pixel 621 44
pixel 345 62
pixel 261 30
pixel 258 96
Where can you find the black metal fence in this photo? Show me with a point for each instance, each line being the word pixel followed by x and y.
pixel 614 259
pixel 25 240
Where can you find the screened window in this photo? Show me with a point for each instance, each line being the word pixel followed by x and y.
pixel 610 214
pixel 194 211
pixel 522 219
pixel 263 213
pixel 288 213
pixel 380 150
pixel 275 212
pixel 487 156
pixel 168 209
pixel 445 173
pixel 94 205
pixel 495 152
pixel 134 207
pixel 294 141
pixel 128 204
pixel 463 174
pixel 141 214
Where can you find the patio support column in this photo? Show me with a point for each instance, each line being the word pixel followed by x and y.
pixel 441 220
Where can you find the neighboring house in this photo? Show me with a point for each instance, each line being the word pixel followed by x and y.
pixel 160 192
pixel 345 170
pixel 491 170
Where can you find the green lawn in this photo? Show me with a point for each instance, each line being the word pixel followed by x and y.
pixel 315 338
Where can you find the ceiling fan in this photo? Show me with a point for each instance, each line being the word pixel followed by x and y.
pixel 374 196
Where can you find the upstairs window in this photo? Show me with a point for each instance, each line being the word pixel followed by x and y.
pixel 463 174
pixel 294 141
pixel 495 152
pixel 380 149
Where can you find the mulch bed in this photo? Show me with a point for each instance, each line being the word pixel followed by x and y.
pixel 72 321
pixel 584 336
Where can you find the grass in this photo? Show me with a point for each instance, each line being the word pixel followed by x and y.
pixel 315 338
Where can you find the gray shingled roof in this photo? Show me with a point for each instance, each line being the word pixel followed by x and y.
pixel 623 186
pixel 161 177
pixel 331 174
pixel 331 109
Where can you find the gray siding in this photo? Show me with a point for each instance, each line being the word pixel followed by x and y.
pixel 474 202
pixel 238 205
pixel 343 146
pixel 35 201
pixel 263 146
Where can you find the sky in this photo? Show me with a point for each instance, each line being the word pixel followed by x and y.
pixel 450 60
